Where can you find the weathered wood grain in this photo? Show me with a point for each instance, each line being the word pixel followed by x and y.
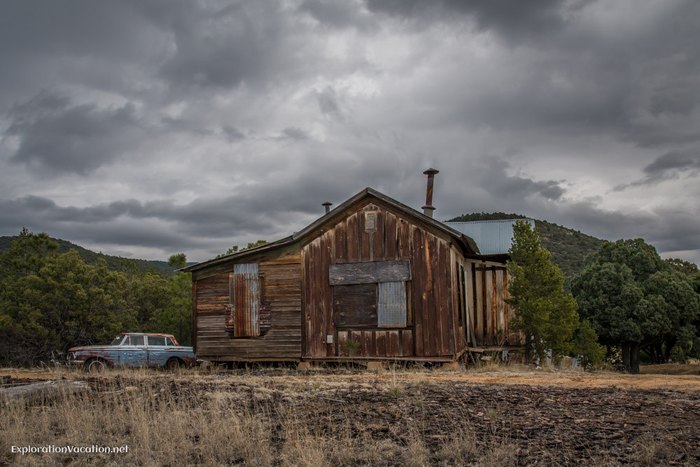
pixel 369 272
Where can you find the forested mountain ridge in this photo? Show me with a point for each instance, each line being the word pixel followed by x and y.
pixel 114 263
pixel 569 247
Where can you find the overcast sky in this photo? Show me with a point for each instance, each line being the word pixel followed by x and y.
pixel 145 128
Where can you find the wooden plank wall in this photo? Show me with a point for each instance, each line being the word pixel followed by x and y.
pixel 429 292
pixel 489 313
pixel 281 288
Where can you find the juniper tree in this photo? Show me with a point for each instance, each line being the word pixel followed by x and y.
pixel 544 312
pixel 635 300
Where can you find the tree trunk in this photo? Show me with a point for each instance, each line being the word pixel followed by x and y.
pixel 626 357
pixel 670 343
pixel 634 359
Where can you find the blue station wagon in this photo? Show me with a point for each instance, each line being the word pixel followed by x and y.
pixel 134 349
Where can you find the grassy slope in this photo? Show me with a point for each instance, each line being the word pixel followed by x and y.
pixel 115 263
pixel 569 247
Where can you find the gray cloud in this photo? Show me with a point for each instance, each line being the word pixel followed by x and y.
pixel 294 133
pixel 54 135
pixel 232 133
pixel 328 102
pixel 150 124
pixel 338 14
pixel 667 167
pixel 224 45
pixel 512 18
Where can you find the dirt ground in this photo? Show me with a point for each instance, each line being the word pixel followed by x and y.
pixel 540 417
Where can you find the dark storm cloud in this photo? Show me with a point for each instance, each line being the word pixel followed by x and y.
pixel 226 45
pixel 674 161
pixel 512 18
pixel 235 120
pixel 33 27
pixel 493 177
pixel 232 133
pixel 668 166
pixel 54 135
pixel 345 14
pixel 294 133
pixel 328 102
pixel 185 125
pixel 572 75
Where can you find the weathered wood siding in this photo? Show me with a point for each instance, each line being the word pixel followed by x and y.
pixel 489 314
pixel 281 293
pixel 375 232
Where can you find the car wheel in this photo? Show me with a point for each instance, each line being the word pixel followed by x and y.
pixel 95 366
pixel 173 364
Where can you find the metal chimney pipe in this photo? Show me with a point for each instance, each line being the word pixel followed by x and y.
pixel 428 208
pixel 327 205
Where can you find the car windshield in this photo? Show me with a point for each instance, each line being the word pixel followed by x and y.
pixel 118 340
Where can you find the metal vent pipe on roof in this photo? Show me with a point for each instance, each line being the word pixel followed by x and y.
pixel 327 205
pixel 428 208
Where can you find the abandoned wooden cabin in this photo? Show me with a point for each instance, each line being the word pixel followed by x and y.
pixel 371 279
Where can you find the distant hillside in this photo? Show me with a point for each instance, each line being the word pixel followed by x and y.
pixel 569 247
pixel 116 263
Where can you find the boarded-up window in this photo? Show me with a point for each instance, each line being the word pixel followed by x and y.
pixel 355 305
pixel 243 319
pixel 370 294
pixel 392 305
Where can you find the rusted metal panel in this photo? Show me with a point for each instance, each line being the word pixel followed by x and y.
pixel 369 272
pixel 244 317
pixel 355 305
pixel 392 305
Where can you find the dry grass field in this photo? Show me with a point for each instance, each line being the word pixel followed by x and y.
pixel 346 416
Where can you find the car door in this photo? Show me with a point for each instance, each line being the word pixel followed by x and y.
pixel 157 351
pixel 132 352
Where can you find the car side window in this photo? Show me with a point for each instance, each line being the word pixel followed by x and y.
pixel 156 340
pixel 135 340
pixel 169 341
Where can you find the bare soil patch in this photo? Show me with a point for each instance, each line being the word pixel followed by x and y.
pixel 352 417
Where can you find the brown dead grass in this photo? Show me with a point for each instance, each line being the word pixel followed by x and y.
pixel 675 377
pixel 345 417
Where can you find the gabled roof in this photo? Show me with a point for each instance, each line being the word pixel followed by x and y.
pixel 465 242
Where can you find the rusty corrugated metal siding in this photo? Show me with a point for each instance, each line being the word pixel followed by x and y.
pixel 245 298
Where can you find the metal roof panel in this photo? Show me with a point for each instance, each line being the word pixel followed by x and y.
pixel 493 237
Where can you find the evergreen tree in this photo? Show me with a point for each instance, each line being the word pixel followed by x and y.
pixel 636 300
pixel 543 310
